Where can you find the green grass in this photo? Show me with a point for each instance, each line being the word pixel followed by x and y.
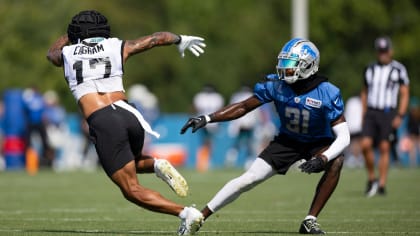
pixel 81 203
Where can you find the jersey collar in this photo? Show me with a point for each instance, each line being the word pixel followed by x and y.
pixel 306 85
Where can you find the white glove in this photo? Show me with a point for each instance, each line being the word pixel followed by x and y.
pixel 193 43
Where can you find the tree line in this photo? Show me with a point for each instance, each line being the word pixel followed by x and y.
pixel 243 39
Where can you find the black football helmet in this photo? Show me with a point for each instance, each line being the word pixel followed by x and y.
pixel 88 24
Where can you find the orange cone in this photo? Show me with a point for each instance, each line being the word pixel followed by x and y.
pixel 32 163
pixel 203 156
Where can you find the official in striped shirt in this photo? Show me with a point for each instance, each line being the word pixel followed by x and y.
pixel 385 98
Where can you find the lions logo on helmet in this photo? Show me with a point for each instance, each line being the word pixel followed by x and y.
pixel 298 59
pixel 88 24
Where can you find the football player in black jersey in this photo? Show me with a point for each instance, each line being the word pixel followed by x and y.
pixel 92 63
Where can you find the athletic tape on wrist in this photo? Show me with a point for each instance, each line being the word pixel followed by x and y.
pixel 207 117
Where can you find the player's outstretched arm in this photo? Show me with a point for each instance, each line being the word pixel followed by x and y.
pixel 227 113
pixel 54 53
pixel 192 43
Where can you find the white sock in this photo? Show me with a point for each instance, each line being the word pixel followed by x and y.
pixel 257 173
pixel 155 164
pixel 183 213
pixel 310 217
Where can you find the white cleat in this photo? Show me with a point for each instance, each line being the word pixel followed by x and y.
pixel 171 176
pixel 373 189
pixel 191 221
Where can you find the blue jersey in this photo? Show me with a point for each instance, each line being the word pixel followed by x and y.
pixel 35 106
pixel 306 117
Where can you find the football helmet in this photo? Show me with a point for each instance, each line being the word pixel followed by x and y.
pixel 298 60
pixel 88 24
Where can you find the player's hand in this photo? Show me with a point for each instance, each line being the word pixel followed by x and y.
pixel 192 43
pixel 396 122
pixel 314 165
pixel 195 123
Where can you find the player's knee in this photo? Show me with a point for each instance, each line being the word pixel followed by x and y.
pixel 336 165
pixel 247 181
pixel 130 193
pixel 384 146
pixel 366 143
pixel 139 195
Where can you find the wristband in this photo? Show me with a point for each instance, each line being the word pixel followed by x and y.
pixel 179 40
pixel 323 157
pixel 207 117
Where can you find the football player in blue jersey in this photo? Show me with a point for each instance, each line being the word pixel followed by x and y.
pixel 312 128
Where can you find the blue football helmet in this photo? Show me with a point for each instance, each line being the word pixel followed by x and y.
pixel 298 60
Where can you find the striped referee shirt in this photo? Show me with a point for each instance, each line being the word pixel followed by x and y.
pixel 383 82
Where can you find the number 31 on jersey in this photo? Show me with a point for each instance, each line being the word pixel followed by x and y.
pixel 298 120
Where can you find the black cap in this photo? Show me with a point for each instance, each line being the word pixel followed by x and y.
pixel 383 44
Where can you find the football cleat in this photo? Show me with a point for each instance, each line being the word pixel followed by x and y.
pixel 381 191
pixel 191 221
pixel 310 226
pixel 372 188
pixel 171 176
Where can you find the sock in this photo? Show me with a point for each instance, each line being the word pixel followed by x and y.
pixel 183 213
pixel 310 217
pixel 155 164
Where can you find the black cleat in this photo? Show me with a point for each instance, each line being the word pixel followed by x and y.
pixel 310 226
pixel 381 191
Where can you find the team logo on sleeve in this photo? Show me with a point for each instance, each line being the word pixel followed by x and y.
pixel 313 102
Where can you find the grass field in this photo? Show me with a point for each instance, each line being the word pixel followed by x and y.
pixel 87 203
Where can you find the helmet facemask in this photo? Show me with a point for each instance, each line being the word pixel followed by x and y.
pixel 287 69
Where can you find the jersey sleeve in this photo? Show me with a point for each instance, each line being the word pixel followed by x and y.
pixel 365 75
pixel 404 76
pixel 264 91
pixel 336 107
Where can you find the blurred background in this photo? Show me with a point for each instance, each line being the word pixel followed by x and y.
pixel 243 39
